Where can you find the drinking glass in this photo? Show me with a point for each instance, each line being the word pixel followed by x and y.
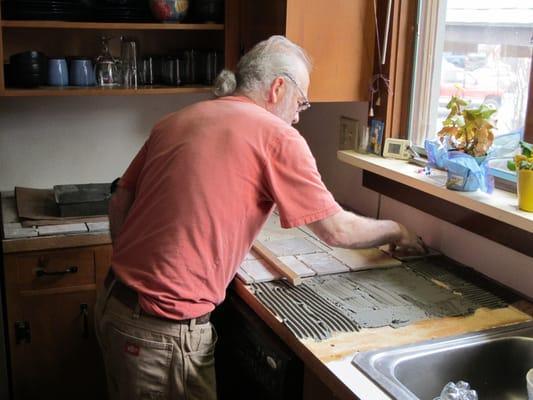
pixel 107 68
pixel 129 52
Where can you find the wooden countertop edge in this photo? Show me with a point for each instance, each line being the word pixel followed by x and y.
pixel 55 242
pixel 309 359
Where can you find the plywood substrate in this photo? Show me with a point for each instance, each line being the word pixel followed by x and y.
pixel 345 344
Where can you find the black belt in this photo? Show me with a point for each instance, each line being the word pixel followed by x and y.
pixel 128 297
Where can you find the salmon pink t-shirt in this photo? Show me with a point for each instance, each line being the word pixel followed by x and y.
pixel 205 182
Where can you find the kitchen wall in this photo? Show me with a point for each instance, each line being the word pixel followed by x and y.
pixel 320 127
pixel 47 141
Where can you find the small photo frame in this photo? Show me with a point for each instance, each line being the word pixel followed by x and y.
pixel 375 136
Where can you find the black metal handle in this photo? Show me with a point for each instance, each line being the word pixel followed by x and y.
pixel 84 309
pixel 70 270
pixel 22 332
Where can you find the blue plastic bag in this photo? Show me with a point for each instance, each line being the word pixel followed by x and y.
pixel 437 153
pixel 467 174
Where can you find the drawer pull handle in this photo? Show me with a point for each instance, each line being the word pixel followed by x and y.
pixel 70 270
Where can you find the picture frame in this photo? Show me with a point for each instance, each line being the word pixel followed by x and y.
pixel 375 139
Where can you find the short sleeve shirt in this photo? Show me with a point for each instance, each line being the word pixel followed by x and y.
pixel 205 182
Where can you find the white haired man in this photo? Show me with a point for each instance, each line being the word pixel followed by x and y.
pixel 187 210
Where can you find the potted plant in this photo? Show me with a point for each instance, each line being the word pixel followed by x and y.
pixel 523 165
pixel 467 134
pixel 468 130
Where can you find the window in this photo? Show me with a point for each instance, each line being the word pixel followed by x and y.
pixel 482 46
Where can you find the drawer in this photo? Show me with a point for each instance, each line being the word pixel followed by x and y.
pixel 55 269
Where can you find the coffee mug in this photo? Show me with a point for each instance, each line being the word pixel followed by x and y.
pixel 57 72
pixel 81 72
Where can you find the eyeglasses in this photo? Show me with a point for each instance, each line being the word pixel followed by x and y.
pixel 302 104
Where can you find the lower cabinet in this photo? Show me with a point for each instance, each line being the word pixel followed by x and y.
pixel 251 361
pixel 50 298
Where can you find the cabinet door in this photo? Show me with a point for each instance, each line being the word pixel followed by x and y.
pixel 338 35
pixel 50 298
pixel 55 353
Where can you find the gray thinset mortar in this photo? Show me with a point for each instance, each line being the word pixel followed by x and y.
pixel 396 296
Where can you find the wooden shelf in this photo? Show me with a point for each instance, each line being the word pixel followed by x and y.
pixel 94 91
pixel 109 25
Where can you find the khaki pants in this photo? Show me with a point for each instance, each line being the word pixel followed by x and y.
pixel 151 358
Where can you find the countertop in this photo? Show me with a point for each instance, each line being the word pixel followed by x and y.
pixel 16 238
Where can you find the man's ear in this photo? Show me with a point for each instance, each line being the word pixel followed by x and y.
pixel 277 90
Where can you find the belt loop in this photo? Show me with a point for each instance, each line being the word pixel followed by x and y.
pixel 136 311
pixel 192 324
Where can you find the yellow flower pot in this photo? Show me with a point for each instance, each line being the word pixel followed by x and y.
pixel 525 190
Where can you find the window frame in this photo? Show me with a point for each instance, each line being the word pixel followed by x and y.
pixel 396 105
pixel 395 108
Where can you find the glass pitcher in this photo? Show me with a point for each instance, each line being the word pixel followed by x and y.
pixel 107 68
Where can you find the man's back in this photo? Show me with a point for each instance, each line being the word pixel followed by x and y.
pixel 204 184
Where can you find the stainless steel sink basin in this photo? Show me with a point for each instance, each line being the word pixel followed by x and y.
pixel 494 362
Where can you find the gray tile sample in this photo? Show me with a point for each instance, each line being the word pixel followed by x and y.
pixel 243 276
pixel 98 226
pixel 323 263
pixel 364 258
pixel 297 266
pixel 61 229
pixel 291 247
pixel 15 230
pixel 259 271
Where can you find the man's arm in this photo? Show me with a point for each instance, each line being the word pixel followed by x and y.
pixel 119 206
pixel 351 231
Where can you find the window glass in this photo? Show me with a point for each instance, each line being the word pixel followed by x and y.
pixel 483 47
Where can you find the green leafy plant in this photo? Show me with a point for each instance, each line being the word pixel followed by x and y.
pixel 468 129
pixel 523 160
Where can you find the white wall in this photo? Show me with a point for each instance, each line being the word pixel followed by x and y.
pixel 46 141
pixel 320 127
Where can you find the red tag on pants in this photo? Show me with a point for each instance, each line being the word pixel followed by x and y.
pixel 132 348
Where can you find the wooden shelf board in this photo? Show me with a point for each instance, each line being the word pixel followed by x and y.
pixel 94 91
pixel 109 25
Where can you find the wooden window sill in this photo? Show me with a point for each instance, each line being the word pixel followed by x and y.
pixel 495 216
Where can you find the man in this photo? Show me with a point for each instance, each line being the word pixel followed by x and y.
pixel 187 209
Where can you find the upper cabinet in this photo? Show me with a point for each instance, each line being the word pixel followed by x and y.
pixel 170 57
pixel 339 35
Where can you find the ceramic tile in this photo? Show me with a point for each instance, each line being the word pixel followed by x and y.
pixel 323 263
pixel 98 226
pixel 15 230
pixel 297 266
pixel 259 271
pixel 292 247
pixel 61 229
pixel 243 276
pixel 364 258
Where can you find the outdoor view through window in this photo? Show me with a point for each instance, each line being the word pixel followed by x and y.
pixel 483 47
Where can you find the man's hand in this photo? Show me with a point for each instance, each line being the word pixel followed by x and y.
pixel 408 243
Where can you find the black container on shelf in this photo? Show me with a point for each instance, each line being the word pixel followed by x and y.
pixel 28 69
pixel 207 10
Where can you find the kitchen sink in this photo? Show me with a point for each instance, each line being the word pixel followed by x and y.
pixel 494 362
